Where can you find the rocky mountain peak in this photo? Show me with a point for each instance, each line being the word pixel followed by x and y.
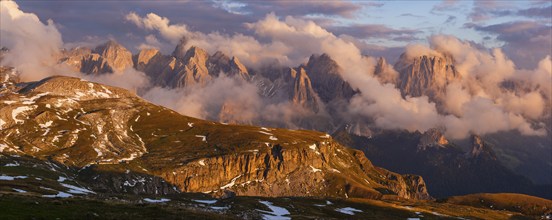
pixel 480 149
pixel 219 58
pixel 196 53
pixel 432 138
pixel 326 78
pixel 143 58
pixel 237 68
pixel 194 68
pixel 302 91
pixel 180 50
pixel 382 62
pixel 116 55
pixel 384 72
pixel 324 60
pixel 426 75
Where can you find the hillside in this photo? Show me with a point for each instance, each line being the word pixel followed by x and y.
pixel 114 137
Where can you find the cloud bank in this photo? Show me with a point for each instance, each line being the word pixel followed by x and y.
pixel 35 50
pixel 478 103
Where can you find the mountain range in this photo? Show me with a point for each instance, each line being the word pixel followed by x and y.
pixel 80 138
pixel 317 88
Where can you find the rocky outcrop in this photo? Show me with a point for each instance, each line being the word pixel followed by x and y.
pixel 445 167
pixel 426 75
pixel 146 57
pixel 220 63
pixel 238 69
pixel 326 79
pixel 124 144
pixel 301 91
pixel 117 57
pixel 193 70
pixel 432 138
pixel 385 72
pixel 480 149
pixel 106 58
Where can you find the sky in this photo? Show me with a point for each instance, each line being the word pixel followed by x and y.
pixel 382 28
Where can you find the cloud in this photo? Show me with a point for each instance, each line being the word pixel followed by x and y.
pixel 35 50
pixel 537 12
pixel 151 43
pixel 129 78
pixel 483 105
pixel 410 15
pixel 311 7
pixel 365 31
pixel 33 45
pixel 526 42
pixel 445 5
pixel 450 19
pixel 207 101
pixel 172 33
pixel 479 103
pixel 239 103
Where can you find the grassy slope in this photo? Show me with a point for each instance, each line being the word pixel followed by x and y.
pixel 529 205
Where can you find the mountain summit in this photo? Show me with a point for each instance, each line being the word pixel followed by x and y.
pixel 116 140
pixel 426 75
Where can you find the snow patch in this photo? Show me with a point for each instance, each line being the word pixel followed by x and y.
pixel 263 132
pixel 14 164
pixel 10 178
pixel 314 170
pixel 76 189
pixel 19 190
pixel 205 201
pixel 348 210
pixel 203 137
pixel 231 183
pixel 335 170
pixel 190 124
pixel 59 195
pixel 275 213
pixel 20 110
pixel 273 138
pixel 201 162
pixel 46 125
pixel 162 200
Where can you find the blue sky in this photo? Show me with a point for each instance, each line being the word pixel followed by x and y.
pixel 389 24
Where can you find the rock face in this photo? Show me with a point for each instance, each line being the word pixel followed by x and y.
pixel 443 165
pixel 432 138
pixel 121 143
pixel 193 70
pixel 106 58
pixel 480 149
pixel 145 57
pixel 426 75
pixel 326 79
pixel 301 92
pixel 385 72
pixel 117 57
